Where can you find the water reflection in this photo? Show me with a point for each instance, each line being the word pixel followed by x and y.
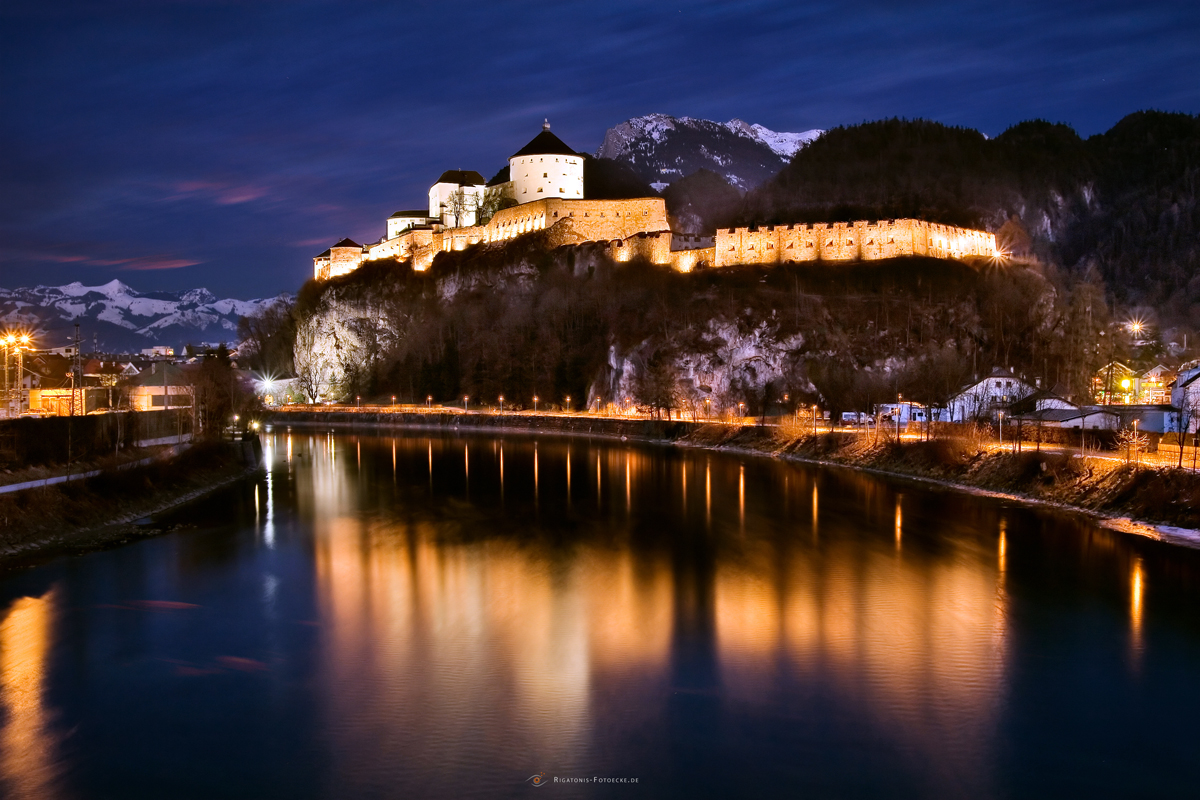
pixel 368 628
pixel 27 748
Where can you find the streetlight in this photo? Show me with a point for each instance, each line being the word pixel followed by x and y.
pixel 741 411
pixel 814 416
pixel 501 404
pixel 393 401
pixel 428 401
pixel 568 402
pixel 464 402
pixel 707 412
pixel 358 401
pixel 535 401
pixel 597 405
pixel 1002 430
pixel 899 397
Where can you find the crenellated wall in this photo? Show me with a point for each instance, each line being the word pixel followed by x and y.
pixel 848 241
pixel 639 229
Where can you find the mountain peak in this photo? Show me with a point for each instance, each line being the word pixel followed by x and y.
pixel 661 148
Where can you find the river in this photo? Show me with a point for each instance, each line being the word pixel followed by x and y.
pixel 469 617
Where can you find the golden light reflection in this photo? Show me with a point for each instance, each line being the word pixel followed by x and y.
pixel 707 493
pixel 921 644
pixel 568 477
pixel 486 625
pixel 535 473
pixel 742 497
pixel 1002 548
pixel 628 487
pixel 27 747
pixel 814 514
pixel 899 523
pixel 1136 589
pixel 683 468
pixel 289 448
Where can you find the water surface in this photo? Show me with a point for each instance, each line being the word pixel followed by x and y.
pixel 449 617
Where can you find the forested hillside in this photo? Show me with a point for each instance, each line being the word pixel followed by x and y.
pixel 521 320
pixel 1123 202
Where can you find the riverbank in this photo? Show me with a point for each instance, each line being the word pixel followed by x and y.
pixel 102 511
pixel 1141 500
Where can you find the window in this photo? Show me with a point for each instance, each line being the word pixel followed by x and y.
pixel 544 175
pixel 539 190
pixel 560 191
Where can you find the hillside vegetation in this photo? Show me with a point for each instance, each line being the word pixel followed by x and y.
pixel 519 319
pixel 1122 203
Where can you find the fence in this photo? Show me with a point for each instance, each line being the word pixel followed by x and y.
pixel 32 442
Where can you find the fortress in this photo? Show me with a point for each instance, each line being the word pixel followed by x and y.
pixel 543 191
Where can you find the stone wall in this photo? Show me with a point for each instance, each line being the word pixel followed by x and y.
pixel 848 241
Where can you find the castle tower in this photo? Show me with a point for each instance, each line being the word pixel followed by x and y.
pixel 546 167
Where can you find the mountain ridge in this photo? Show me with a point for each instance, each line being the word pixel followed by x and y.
pixel 661 148
pixel 118 318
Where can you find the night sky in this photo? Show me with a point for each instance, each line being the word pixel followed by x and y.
pixel 175 144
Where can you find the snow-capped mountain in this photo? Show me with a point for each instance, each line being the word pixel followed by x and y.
pixel 116 318
pixel 662 149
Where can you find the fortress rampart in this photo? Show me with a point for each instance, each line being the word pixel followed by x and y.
pixel 638 229
pixel 849 241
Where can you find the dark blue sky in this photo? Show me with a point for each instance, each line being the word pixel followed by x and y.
pixel 178 143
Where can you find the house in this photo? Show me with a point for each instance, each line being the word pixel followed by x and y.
pixel 1114 384
pixel 1089 418
pixel 1185 398
pixel 1152 386
pixel 1043 400
pixel 985 399
pixel 164 385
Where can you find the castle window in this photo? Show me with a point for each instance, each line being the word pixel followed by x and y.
pixel 560 192
pixel 539 190
pixel 556 213
pixel 544 175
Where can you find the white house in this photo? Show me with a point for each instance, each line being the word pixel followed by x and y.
pixel 546 167
pixel 1185 397
pixel 456 197
pixel 985 399
pixel 401 221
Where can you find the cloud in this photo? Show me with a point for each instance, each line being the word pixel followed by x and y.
pixel 155 262
pixel 223 194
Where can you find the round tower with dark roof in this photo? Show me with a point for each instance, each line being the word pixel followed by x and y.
pixel 546 167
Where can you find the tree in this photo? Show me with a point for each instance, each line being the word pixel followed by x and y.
pixel 269 337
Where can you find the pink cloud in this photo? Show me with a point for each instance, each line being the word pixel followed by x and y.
pixel 156 262
pixel 225 194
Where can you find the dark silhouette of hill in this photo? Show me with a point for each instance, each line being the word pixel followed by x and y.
pixel 1123 202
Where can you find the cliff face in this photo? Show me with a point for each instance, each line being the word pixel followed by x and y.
pixel 523 319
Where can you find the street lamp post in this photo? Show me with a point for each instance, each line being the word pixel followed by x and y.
pixel 814 416
pixel 464 402
pixel 707 411
pixel 393 401
pixel 501 404
pixel 535 402
pixel 568 402
pixel 1002 430
pixel 899 397
pixel 428 401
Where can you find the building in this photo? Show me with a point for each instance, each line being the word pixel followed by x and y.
pixel 1185 398
pixel 402 221
pixel 543 191
pixel 457 198
pixel 986 399
pixel 165 385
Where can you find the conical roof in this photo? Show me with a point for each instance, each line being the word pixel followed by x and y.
pixel 545 144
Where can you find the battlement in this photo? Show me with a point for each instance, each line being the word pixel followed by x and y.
pixel 848 241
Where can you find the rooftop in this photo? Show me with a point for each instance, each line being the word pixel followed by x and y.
pixel 462 177
pixel 545 144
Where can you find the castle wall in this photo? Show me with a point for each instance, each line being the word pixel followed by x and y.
pixel 847 241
